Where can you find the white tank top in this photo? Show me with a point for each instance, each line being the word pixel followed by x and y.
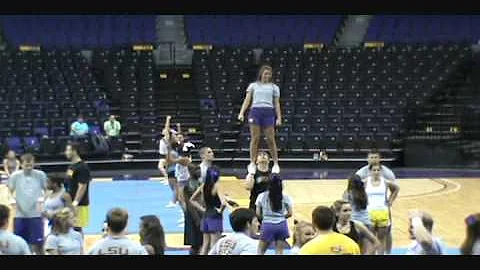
pixel 377 195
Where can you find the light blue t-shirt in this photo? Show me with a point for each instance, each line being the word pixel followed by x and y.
pixel 79 129
pixel 235 244
pixel 117 246
pixel 11 244
pixel 66 244
pixel 415 248
pixel 360 215
pixel 269 216
pixel 263 94
pixel 28 187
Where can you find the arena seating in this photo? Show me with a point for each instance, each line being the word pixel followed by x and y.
pixel 42 94
pixel 261 30
pixel 331 98
pixel 424 28
pixel 78 31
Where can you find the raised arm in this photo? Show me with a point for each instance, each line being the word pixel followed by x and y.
pixel 422 235
pixel 166 128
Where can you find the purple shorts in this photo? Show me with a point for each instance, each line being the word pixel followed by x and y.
pixel 30 229
pixel 262 116
pixel 212 225
pixel 270 232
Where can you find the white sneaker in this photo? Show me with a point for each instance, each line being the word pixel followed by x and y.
pixel 171 205
pixel 181 225
pixel 251 168
pixel 276 168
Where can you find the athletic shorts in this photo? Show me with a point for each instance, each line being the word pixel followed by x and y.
pixel 30 229
pixel 262 116
pixel 379 218
pixel 83 216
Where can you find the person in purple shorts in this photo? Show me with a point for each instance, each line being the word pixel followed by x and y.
pixel 212 221
pixel 265 114
pixel 274 208
pixel 29 186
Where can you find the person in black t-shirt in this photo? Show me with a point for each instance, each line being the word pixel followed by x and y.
pixel 77 185
pixel 258 182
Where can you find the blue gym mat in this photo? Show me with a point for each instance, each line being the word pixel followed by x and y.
pixel 139 198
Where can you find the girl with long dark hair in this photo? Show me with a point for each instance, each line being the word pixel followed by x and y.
pixel 274 208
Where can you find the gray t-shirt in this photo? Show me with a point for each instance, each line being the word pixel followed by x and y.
pixel 117 246
pixel 11 244
pixel 388 174
pixel 235 244
pixel 263 94
pixel 416 249
pixel 28 187
pixel 66 244
pixel 269 216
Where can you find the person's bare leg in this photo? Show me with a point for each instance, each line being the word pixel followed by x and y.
pixel 389 240
pixel 205 244
pixel 255 133
pixel 279 244
pixel 262 247
pixel 382 237
pixel 272 146
pixel 214 238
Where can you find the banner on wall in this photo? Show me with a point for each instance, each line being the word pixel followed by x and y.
pixel 142 47
pixel 374 44
pixel 29 48
pixel 316 46
pixel 202 47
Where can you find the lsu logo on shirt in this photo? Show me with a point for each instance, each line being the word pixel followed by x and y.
pixel 261 179
pixel 336 249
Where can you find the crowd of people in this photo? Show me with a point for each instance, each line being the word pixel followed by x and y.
pixel 51 211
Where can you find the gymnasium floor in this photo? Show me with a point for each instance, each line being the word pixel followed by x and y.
pixel 449 195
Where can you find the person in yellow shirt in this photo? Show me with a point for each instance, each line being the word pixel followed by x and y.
pixel 328 242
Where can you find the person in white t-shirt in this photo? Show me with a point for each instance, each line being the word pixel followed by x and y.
pixel 244 223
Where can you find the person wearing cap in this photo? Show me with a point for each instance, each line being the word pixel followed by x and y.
pixel 274 208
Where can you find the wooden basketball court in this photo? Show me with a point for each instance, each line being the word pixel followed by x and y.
pixel 448 200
